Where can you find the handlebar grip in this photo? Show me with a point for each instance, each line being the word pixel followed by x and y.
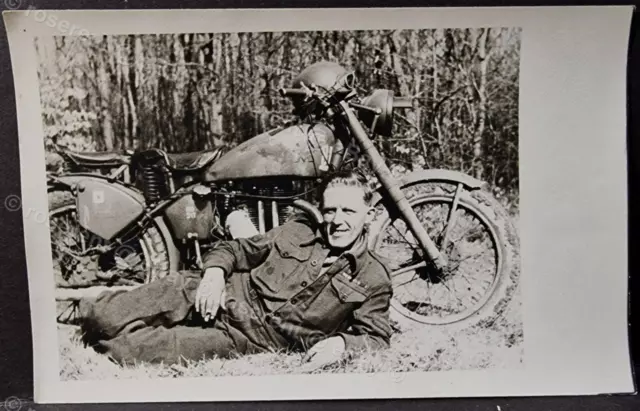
pixel 293 92
pixel 402 102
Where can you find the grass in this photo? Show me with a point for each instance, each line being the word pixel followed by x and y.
pixel 419 348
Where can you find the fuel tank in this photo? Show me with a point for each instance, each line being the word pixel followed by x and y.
pixel 191 217
pixel 300 151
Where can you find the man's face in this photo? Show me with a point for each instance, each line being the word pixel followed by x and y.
pixel 345 214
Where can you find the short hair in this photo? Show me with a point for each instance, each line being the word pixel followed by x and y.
pixel 351 178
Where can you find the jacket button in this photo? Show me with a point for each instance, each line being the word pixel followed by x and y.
pixel 285 254
pixel 304 283
pixel 314 263
pixel 294 301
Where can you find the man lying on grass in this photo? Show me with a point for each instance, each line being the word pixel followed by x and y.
pixel 295 288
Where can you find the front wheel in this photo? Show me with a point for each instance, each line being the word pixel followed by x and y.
pixel 479 242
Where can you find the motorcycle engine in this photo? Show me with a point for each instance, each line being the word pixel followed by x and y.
pixel 272 204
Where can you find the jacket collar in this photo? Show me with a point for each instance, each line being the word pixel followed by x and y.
pixel 355 255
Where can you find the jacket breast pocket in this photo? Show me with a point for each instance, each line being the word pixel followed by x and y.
pixel 348 292
pixel 283 262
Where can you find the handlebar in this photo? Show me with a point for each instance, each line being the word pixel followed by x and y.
pixel 402 102
pixel 397 103
pixel 293 92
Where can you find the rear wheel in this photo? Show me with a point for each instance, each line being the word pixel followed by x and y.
pixel 479 241
pixel 81 260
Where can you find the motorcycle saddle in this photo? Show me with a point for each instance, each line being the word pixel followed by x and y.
pixel 101 159
pixel 192 161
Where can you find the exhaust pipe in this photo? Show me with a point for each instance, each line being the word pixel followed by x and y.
pixel 311 210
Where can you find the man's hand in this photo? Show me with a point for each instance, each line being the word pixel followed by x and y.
pixel 210 292
pixel 323 353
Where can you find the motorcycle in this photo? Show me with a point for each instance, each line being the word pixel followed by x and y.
pixel 450 247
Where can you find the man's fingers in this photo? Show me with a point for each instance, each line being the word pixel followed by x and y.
pixel 308 356
pixel 212 304
pixel 314 362
pixel 201 296
pixel 202 300
pixel 208 296
pixel 206 306
pixel 197 302
pixel 311 352
pixel 324 353
pixel 203 305
pixel 318 360
pixel 223 299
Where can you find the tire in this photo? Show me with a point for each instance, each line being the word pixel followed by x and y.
pixel 150 246
pixel 494 227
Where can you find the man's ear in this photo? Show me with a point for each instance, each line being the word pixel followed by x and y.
pixel 371 213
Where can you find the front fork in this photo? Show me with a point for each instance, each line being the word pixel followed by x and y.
pixel 393 188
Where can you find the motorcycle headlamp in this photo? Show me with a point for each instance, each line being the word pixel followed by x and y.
pixel 376 110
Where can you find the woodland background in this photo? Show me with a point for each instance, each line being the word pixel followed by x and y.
pixel 188 92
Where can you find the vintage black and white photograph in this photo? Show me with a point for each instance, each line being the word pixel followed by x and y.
pixel 283 202
pixel 321 209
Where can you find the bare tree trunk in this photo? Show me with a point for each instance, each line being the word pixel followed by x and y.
pixel 133 125
pixel 417 86
pixel 397 63
pixel 176 86
pixel 437 44
pixel 434 67
pixel 122 79
pixel 104 85
pixel 482 104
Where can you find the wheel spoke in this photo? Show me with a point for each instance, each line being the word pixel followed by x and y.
pixel 460 261
pixel 403 238
pixel 407 268
pixel 469 244
pixel 413 278
pixel 451 292
pixel 452 217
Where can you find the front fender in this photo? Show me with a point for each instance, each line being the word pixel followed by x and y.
pixel 434 175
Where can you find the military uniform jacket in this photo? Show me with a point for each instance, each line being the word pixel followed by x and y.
pixel 279 295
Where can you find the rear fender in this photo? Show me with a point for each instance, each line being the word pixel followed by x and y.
pixel 70 181
pixel 105 207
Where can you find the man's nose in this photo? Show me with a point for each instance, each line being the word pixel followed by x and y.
pixel 338 218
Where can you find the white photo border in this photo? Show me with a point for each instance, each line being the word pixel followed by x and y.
pixel 573 203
